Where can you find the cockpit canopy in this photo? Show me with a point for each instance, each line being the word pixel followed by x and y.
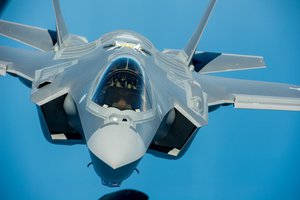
pixel 123 86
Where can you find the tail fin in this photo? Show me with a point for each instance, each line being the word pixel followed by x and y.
pixel 190 48
pixel 63 37
pixel 61 28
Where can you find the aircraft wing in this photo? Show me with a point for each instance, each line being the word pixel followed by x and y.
pixel 19 62
pixel 250 94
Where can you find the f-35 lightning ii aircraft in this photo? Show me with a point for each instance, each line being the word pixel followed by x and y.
pixel 123 98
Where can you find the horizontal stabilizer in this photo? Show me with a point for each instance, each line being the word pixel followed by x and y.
pixel 208 62
pixel 38 38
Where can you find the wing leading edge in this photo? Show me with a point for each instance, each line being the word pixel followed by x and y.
pixel 250 94
pixel 210 62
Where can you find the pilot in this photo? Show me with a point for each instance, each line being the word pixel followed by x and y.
pixel 122 104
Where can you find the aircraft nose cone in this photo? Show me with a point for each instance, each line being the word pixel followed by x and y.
pixel 116 145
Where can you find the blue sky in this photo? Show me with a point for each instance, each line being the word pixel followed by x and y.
pixel 241 154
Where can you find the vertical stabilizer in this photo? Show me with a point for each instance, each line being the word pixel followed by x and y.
pixel 190 48
pixel 61 29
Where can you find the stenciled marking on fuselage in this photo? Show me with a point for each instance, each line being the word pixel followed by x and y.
pixel 176 72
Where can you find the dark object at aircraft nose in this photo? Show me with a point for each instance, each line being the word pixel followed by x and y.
pixel 125 195
pixel 3 4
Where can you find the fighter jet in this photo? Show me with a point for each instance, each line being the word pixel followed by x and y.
pixel 124 98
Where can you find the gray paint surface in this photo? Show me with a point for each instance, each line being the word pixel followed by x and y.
pixel 179 81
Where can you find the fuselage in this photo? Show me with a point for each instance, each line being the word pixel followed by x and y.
pixel 121 94
pixel 135 85
pixel 120 109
